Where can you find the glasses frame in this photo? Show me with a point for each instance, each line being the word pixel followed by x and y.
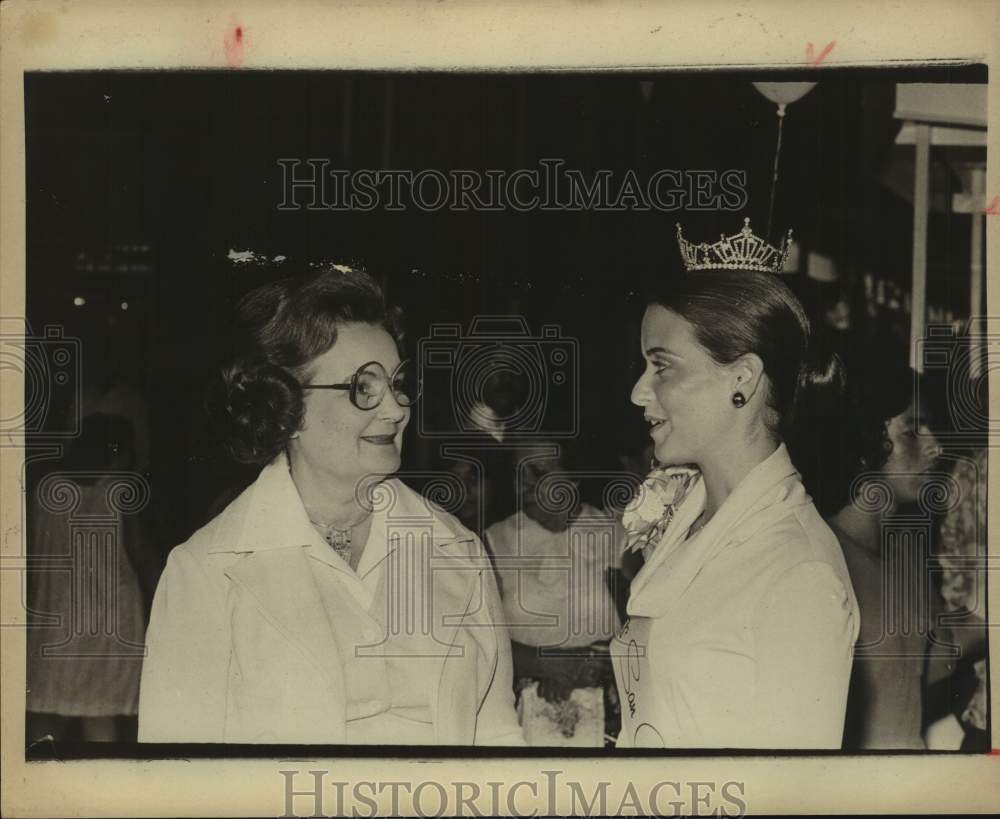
pixel 352 386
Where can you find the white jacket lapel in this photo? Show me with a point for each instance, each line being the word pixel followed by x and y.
pixel 281 585
pixel 763 496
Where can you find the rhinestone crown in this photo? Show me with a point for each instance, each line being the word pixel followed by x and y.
pixel 741 251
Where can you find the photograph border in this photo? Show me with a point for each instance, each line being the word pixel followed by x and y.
pixel 585 35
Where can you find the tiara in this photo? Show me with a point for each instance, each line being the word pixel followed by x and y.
pixel 741 251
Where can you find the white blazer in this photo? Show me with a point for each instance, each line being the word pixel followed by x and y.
pixel 742 635
pixel 241 648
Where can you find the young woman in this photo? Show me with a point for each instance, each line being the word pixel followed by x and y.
pixel 742 620
pixel 877 463
pixel 289 617
pixel 553 556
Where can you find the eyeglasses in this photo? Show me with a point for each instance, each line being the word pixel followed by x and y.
pixel 370 381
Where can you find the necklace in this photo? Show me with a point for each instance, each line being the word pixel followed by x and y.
pixel 339 540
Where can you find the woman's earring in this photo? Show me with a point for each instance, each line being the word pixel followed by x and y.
pixel 739 399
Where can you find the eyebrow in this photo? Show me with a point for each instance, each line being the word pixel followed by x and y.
pixel 388 370
pixel 660 351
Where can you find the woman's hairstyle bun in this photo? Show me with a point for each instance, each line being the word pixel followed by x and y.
pixel 256 403
pixel 260 406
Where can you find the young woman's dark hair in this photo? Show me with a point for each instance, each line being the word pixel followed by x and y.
pixel 281 328
pixel 736 312
pixel 851 428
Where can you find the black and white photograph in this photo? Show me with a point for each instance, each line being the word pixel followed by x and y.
pixel 502 416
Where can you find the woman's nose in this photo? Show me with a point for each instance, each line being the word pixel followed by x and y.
pixel 641 392
pixel 932 446
pixel 390 409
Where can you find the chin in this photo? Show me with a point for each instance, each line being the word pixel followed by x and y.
pixel 669 457
pixel 386 464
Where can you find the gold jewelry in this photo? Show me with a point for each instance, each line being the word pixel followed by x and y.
pixel 338 539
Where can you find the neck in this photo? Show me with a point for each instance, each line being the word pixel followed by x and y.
pixel 327 499
pixel 862 527
pixel 723 474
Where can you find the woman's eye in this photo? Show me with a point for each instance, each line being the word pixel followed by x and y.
pixel 366 386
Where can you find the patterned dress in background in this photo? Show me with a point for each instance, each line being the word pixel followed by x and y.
pixel 961 546
pixel 86 614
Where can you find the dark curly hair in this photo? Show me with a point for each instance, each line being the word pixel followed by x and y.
pixel 850 431
pixel 256 403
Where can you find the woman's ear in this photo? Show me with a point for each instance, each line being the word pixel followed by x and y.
pixel 747 373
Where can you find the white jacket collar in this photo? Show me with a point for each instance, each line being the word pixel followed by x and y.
pixel 270 514
pixel 765 493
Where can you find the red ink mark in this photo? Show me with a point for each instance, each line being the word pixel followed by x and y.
pixel 995 752
pixel 233 44
pixel 811 52
pixel 993 208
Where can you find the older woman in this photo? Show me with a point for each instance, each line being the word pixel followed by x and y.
pixel 742 619
pixel 328 603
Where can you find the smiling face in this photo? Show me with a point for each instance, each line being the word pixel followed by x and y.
pixel 685 395
pixel 914 450
pixel 338 441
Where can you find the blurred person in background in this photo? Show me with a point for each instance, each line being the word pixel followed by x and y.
pixel 863 471
pixel 87 612
pixel 553 556
pixel 957 697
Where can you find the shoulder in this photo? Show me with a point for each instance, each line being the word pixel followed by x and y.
pixel 796 556
pixel 799 535
pixel 410 504
pixel 808 571
pixel 396 499
pixel 502 534
pixel 220 532
pixel 223 527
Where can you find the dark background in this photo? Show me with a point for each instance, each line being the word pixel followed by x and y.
pixel 184 164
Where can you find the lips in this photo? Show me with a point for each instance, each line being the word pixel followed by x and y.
pixel 379 440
